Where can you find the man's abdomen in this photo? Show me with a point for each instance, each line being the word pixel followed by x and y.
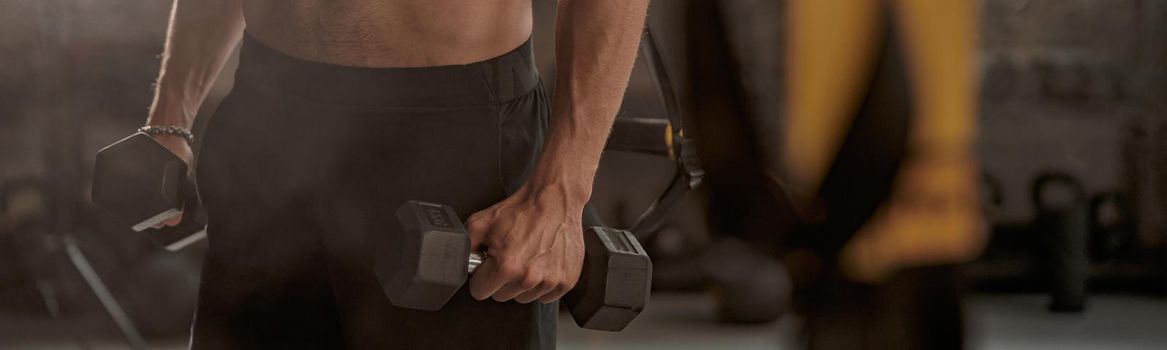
pixel 390 33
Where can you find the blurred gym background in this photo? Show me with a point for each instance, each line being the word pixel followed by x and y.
pixel 1072 127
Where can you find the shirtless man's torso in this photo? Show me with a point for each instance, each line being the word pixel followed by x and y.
pixel 343 110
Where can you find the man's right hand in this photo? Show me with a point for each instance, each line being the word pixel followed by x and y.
pixel 177 145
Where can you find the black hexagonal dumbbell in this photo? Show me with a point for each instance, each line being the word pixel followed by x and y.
pixel 141 183
pixel 433 260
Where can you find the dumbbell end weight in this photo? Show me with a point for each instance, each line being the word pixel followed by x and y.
pixel 423 273
pixel 614 286
pixel 141 184
pixel 137 181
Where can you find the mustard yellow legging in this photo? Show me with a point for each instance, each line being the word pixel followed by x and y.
pixel 932 216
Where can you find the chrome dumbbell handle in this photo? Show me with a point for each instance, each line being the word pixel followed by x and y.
pixel 476 259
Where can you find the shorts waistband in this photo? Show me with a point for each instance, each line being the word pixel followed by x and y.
pixel 488 82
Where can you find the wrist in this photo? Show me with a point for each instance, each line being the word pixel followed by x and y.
pixel 563 173
pixel 170 111
pixel 174 119
pixel 570 196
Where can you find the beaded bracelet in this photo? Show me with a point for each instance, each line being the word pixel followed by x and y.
pixel 169 130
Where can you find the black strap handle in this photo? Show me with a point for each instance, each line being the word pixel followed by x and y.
pixel 688 172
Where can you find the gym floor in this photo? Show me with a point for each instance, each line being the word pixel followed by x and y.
pixel 686 321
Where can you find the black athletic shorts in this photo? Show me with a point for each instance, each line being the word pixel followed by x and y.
pixel 303 166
